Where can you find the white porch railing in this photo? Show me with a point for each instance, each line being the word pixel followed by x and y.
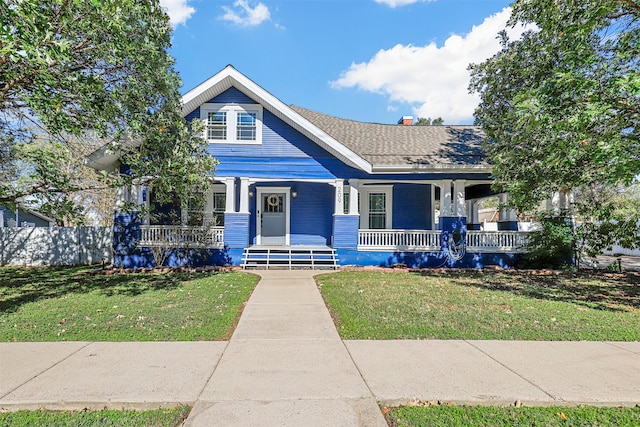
pixel 497 241
pixel 407 240
pixel 429 240
pixel 181 236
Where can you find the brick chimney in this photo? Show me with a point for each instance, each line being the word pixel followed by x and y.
pixel 406 120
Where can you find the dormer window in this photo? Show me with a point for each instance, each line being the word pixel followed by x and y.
pixel 232 123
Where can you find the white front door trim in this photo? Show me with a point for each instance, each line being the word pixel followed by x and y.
pixel 267 190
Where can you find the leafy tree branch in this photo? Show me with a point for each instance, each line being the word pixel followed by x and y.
pixel 560 104
pixel 76 70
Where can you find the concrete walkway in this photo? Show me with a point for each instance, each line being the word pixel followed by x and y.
pixel 285 365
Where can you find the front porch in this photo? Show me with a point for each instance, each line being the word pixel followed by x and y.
pixel 414 248
pixel 182 236
pixel 416 223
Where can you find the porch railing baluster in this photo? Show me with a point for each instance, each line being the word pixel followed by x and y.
pixel 180 236
pixel 429 240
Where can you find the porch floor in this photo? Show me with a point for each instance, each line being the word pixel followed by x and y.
pixel 289 257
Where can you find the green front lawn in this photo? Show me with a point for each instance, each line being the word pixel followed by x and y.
pixel 107 418
pixel 481 416
pixel 489 305
pixel 71 304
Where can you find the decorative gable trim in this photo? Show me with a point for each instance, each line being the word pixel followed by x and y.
pixel 230 77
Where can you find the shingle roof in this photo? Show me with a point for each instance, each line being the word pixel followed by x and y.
pixel 402 145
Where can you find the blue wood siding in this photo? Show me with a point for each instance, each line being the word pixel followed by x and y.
pixel 236 230
pixel 426 259
pixel 312 214
pixel 284 153
pixel 345 230
pixel 412 206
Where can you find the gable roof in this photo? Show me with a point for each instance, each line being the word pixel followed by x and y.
pixel 230 77
pixel 371 147
pixel 398 148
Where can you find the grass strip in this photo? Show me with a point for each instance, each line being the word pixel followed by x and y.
pixel 471 416
pixel 484 305
pixel 71 304
pixel 168 417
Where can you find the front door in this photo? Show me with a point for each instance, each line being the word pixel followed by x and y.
pixel 272 217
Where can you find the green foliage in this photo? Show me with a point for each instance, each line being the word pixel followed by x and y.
pixel 485 306
pixel 553 245
pixel 561 105
pixel 625 201
pixel 428 122
pixel 71 304
pixel 167 417
pixel 78 68
pixel 470 416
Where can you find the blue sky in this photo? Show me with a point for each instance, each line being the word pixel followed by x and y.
pixel 367 60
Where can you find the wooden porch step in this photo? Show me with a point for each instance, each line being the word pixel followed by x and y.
pixel 289 257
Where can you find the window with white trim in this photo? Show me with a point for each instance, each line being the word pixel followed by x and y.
pixel 219 206
pixel 376 207
pixel 345 197
pixel 232 123
pixel 377 210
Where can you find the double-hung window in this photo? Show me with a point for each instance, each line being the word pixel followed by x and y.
pixel 232 123
pixel 376 207
pixel 377 210
pixel 219 205
pixel 217 125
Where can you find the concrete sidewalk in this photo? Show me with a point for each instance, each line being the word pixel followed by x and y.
pixel 285 365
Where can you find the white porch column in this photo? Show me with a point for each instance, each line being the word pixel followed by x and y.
pixel 122 196
pixel 244 195
pixel 472 212
pixel 565 199
pixel 553 204
pixel 353 197
pixel 208 208
pixel 458 198
pixel 136 194
pixel 506 214
pixel 184 214
pixel 559 202
pixel 435 221
pixel 231 195
pixel 339 197
pixel 445 198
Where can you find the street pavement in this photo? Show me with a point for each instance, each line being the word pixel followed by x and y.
pixel 285 365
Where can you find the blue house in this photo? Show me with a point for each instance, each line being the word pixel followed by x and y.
pixel 295 187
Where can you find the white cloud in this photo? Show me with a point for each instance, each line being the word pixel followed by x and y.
pixel 178 10
pixel 396 3
pixel 434 80
pixel 246 16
